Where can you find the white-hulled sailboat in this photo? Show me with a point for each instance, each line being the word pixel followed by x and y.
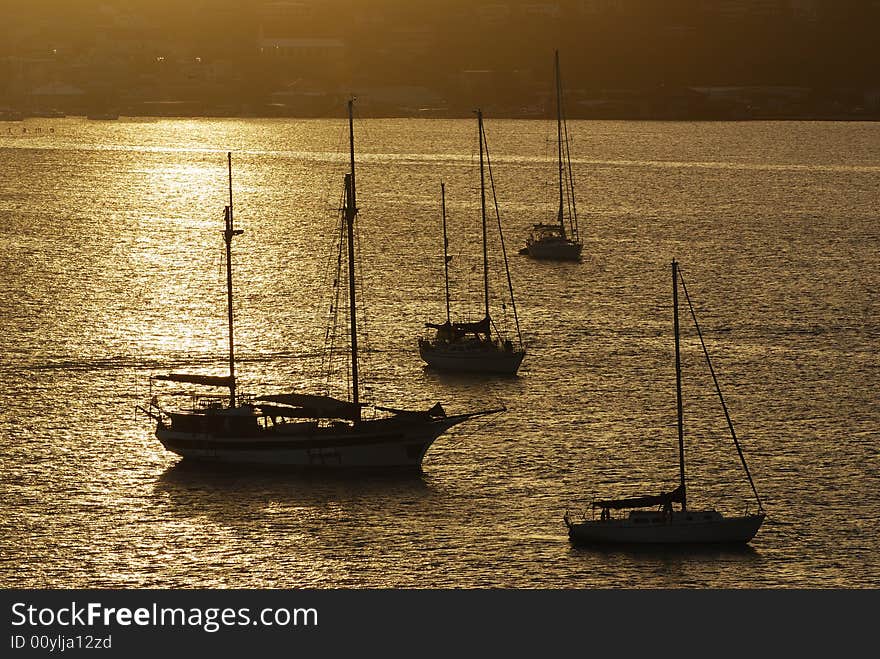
pixel 296 429
pixel 664 525
pixel 556 241
pixel 475 347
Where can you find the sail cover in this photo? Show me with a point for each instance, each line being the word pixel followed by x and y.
pixel 286 412
pixel 313 406
pixel 677 496
pixel 436 412
pixel 194 378
pixel 460 329
pixel 481 327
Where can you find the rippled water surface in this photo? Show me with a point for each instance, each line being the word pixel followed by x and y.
pixel 111 269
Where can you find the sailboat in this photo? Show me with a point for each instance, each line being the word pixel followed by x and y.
pixel 298 429
pixel 474 347
pixel 556 241
pixel 665 525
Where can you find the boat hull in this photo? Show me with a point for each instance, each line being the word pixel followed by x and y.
pixel 556 250
pixel 682 529
pixel 368 445
pixel 495 362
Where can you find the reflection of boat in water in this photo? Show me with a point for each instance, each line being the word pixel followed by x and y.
pixel 555 241
pixel 186 479
pixel 229 497
pixel 297 429
pixel 474 347
pixel 664 525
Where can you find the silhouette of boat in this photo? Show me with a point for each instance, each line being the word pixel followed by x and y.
pixel 665 525
pixel 297 429
pixel 108 115
pixel 47 113
pixel 474 347
pixel 555 241
pixel 9 114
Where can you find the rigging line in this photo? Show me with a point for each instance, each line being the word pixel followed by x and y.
pixel 324 317
pixel 718 389
pixel 345 368
pixel 366 346
pixel 572 201
pixel 333 318
pixel 501 236
pixel 569 183
pixel 572 204
pixel 332 273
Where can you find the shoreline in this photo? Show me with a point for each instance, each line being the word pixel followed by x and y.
pixel 869 118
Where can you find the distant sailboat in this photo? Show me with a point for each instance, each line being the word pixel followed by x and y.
pixel 474 347
pixel 664 525
pixel 556 241
pixel 104 115
pixel 298 429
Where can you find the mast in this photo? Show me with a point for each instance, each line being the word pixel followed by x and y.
pixel 559 143
pixel 228 234
pixel 445 246
pixel 483 214
pixel 678 385
pixel 350 211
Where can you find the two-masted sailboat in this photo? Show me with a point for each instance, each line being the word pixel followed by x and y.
pixel 664 524
pixel 559 241
pixel 475 347
pixel 297 429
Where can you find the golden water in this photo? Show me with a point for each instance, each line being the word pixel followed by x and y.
pixel 110 270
